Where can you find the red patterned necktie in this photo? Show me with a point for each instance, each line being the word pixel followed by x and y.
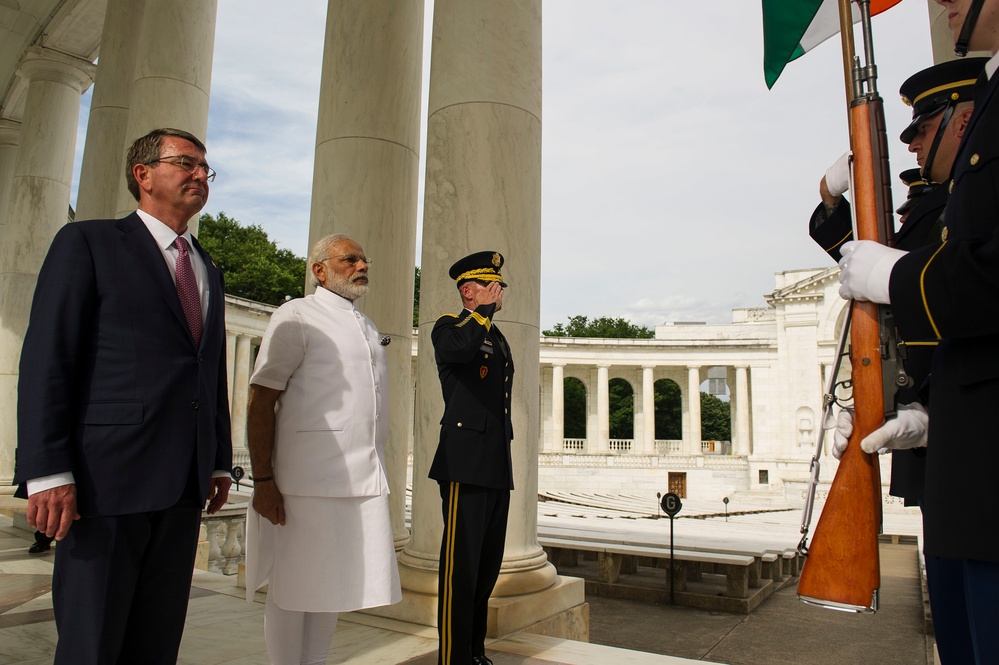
pixel 187 289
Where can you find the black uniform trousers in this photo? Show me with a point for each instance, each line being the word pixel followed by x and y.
pixel 471 555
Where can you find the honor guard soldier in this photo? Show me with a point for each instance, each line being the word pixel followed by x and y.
pixel 473 464
pixel 941 98
pixel 949 291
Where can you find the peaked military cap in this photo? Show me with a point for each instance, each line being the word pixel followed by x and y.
pixel 481 266
pixel 918 188
pixel 929 91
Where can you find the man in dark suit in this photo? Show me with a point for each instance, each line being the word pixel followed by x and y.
pixel 951 292
pixel 123 422
pixel 941 98
pixel 472 464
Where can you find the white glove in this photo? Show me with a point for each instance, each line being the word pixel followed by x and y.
pixel 906 430
pixel 838 175
pixel 841 435
pixel 865 270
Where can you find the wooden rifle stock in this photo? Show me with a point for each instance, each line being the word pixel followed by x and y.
pixel 843 570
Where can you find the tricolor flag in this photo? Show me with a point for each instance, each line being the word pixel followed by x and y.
pixel 791 28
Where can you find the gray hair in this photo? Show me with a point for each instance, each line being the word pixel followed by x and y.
pixel 321 251
pixel 147 148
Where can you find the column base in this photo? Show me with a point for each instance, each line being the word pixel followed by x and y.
pixel 558 611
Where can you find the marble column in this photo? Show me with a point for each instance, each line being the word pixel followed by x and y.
pixel 648 410
pixel 741 424
pixel 693 433
pixel 558 407
pixel 172 78
pixel 38 207
pixel 230 363
pixel 603 409
pixel 102 179
pixel 10 135
pixel 366 179
pixel 483 192
pixel 240 390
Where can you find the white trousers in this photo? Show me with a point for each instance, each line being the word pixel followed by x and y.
pixel 297 638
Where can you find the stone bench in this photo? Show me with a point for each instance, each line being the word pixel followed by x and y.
pixel 611 557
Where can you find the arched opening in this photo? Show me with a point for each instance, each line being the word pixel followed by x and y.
pixel 574 413
pixel 621 416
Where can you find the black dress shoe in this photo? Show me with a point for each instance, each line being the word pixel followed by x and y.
pixel 39 547
pixel 481 660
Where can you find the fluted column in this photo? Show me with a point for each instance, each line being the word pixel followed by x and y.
pixel 366 178
pixel 173 74
pixel 102 180
pixel 38 207
pixel 558 407
pixel 240 390
pixel 648 411
pixel 741 429
pixel 483 191
pixel 10 136
pixel 230 363
pixel 603 409
pixel 693 433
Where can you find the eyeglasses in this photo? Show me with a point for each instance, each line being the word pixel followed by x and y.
pixel 186 163
pixel 349 260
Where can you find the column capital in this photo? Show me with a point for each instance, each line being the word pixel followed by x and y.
pixel 691 368
pixel 41 64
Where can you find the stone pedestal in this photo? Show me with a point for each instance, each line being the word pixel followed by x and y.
pixel 558 611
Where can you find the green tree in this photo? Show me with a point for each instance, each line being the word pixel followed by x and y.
pixel 574 396
pixel 622 409
pixel 716 419
pixel 669 413
pixel 604 326
pixel 253 266
pixel 416 298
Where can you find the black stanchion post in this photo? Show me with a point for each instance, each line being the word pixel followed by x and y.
pixel 671 506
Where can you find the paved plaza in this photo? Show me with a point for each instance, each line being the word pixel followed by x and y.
pixel 224 629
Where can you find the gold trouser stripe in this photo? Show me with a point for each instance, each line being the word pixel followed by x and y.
pixel 922 289
pixel 448 563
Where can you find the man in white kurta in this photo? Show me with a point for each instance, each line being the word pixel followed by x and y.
pixel 318 530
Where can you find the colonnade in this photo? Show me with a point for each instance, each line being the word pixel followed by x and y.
pixel 596 377
pixel 483 191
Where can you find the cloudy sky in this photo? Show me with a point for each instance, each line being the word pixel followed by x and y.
pixel 674 183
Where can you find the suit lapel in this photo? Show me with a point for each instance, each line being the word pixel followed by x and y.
pixel 140 244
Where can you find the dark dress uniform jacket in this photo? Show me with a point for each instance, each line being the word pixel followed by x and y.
pixel 112 386
pixel 921 229
pixel 476 374
pixel 951 292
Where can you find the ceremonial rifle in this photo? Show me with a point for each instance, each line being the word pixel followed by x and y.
pixel 842 568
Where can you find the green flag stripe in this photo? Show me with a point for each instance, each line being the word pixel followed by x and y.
pixel 784 23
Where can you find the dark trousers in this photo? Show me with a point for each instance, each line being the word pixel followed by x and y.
pixel 471 556
pixel 121 586
pixel 964 599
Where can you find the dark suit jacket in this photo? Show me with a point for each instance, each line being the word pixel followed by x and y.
pixel 951 292
pixel 921 229
pixel 111 385
pixel 476 372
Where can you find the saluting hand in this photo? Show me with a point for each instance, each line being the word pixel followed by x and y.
pixel 491 293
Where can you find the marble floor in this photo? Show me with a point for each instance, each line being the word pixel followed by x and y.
pixel 222 628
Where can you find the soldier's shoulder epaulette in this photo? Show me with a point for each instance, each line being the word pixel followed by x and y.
pixel 444 316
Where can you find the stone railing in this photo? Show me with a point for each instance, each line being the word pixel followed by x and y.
pixel 619 445
pixel 669 446
pixel 573 444
pixel 225 536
